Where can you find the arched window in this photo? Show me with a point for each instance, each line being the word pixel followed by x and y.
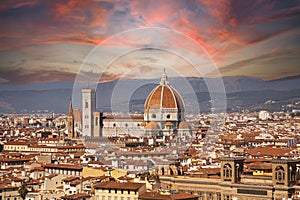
pixel 227 171
pixel 279 174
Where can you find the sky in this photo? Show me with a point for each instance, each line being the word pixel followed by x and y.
pixel 49 41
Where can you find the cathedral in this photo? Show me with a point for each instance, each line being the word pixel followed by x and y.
pixel 163 116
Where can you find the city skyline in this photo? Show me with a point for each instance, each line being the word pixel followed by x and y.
pixel 46 41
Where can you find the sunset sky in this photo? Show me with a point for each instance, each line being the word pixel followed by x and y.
pixel 47 41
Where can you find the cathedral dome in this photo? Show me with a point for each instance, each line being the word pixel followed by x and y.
pixel 184 125
pixel 164 104
pixel 164 96
pixel 152 126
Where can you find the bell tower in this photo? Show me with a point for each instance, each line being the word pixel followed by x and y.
pixel 284 172
pixel 70 123
pixel 88 109
pixel 284 178
pixel 231 169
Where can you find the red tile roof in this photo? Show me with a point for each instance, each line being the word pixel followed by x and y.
pixel 158 196
pixel 116 185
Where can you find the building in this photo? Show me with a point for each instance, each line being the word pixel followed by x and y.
pixel 116 190
pixel 163 109
pixel 263 115
pixel 9 192
pixel 168 196
pixel 235 182
pixel 88 109
pixel 70 123
pixel 163 116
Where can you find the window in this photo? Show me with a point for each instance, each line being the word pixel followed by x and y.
pixel 210 196
pixel 153 115
pixel 168 116
pixel 227 197
pixel 128 191
pixel 96 121
pixel 122 191
pixel 219 196
pixel 86 104
pixel 227 172
pixel 279 174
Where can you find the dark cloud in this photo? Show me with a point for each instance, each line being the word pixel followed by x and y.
pixel 222 27
pixel 22 76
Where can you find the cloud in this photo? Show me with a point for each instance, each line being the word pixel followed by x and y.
pixel 21 76
pixel 223 28
pixel 271 63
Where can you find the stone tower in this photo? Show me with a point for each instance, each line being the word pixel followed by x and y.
pixel 284 172
pixel 98 124
pixel 70 123
pixel 231 169
pixel 284 178
pixel 88 108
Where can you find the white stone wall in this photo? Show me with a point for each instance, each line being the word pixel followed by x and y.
pixel 88 108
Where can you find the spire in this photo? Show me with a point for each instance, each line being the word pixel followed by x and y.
pixel 164 78
pixel 70 109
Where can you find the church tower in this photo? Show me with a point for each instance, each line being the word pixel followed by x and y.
pixel 88 109
pixel 231 169
pixel 70 122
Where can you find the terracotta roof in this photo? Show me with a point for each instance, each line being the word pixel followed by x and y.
pixel 77 196
pixel 70 178
pixel 163 96
pixel 132 117
pixel 183 125
pixel 169 123
pixel 158 196
pixel 262 151
pixel 90 145
pixel 2 187
pixel 16 143
pixel 260 166
pixel 96 162
pixel 63 166
pixel 14 160
pixel 116 185
pixel 152 126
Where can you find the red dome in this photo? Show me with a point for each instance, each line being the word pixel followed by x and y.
pixel 164 96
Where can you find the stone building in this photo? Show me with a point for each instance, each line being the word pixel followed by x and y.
pixel 163 116
pixel 234 183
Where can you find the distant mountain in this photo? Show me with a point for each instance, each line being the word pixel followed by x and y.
pixel 242 93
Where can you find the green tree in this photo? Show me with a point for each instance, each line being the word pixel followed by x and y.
pixel 23 191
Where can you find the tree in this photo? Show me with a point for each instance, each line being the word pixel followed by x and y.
pixel 23 191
